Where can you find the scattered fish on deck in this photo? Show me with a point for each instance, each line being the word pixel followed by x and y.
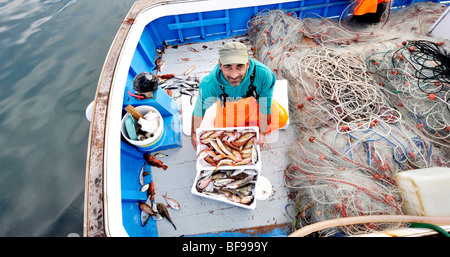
pixel 172 202
pixel 165 213
pixel 152 161
pixel 160 155
pixel 189 70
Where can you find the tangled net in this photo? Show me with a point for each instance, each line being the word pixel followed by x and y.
pixel 367 106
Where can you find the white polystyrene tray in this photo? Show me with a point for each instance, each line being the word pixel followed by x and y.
pixel 224 199
pixel 203 165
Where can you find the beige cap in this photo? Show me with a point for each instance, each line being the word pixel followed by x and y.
pixel 233 52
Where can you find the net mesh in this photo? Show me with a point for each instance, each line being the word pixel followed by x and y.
pixel 368 103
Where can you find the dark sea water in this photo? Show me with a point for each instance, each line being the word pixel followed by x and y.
pixel 51 56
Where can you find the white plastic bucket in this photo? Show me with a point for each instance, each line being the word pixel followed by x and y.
pixel 150 143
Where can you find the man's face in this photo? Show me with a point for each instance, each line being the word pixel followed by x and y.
pixel 234 73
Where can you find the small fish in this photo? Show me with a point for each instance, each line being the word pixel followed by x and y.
pixel 146 208
pixel 223 182
pixel 246 199
pixel 204 182
pixel 145 187
pixel 254 155
pixel 225 162
pixel 141 175
pixel 244 139
pixel 222 147
pixel 184 92
pixel 190 83
pixel 152 161
pixel 192 49
pixel 172 203
pixel 185 59
pixel 151 190
pixel 206 152
pixel 144 215
pixel 189 70
pixel 240 183
pixel 244 161
pixel 172 86
pixel 177 96
pixel 160 155
pixel 163 211
pixel 206 134
pixel 215 146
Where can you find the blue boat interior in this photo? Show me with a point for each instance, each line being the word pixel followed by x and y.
pixel 184 29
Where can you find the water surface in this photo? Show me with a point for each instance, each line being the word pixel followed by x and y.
pixel 51 56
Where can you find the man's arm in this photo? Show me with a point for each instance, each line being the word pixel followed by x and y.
pixel 264 121
pixel 196 121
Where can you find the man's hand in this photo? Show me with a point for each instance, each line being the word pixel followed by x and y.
pixel 196 121
pixel 194 140
pixel 262 139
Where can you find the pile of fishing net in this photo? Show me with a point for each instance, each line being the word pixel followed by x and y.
pixel 369 102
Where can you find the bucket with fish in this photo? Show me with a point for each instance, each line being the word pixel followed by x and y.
pixel 228 148
pixel 143 126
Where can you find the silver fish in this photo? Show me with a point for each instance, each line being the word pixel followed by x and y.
pixel 222 182
pixel 141 175
pixel 240 183
pixel 160 155
pixel 145 187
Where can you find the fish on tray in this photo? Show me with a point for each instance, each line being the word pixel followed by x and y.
pixel 228 148
pixel 235 185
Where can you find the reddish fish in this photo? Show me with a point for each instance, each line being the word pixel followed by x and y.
pixel 152 161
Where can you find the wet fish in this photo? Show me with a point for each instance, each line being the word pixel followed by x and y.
pixel 254 155
pixel 240 183
pixel 223 182
pixel 192 49
pixel 222 147
pixel 243 139
pixel 145 187
pixel 152 161
pixel 146 208
pixel 172 202
pixel 141 175
pixel 151 191
pixel 203 182
pixel 189 70
pixel 206 134
pixel 225 162
pixel 175 97
pixel 163 211
pixel 206 152
pixel 185 92
pixel 160 155
pixel 145 215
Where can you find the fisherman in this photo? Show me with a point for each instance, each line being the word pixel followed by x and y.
pixel 242 90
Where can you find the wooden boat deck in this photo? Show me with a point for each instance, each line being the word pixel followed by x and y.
pixel 199 215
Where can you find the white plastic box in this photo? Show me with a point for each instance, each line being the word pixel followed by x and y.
pixel 224 199
pixel 426 192
pixel 203 165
